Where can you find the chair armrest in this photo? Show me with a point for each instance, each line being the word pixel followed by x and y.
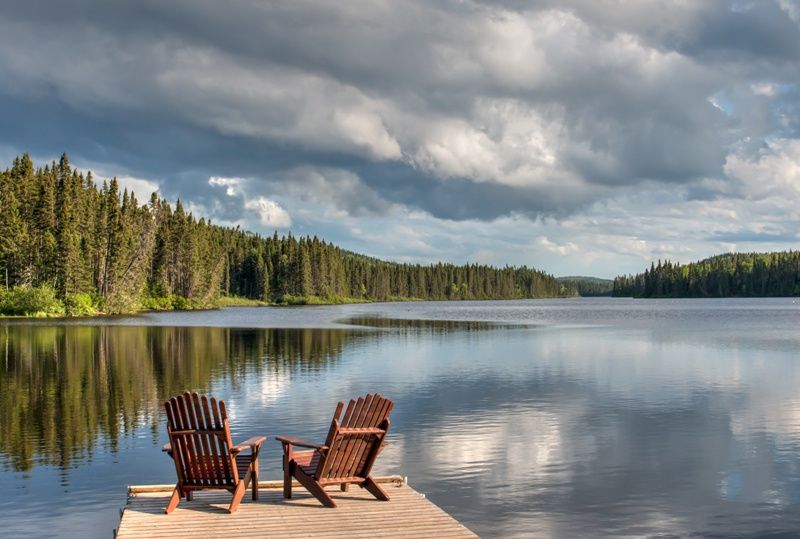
pixel 251 443
pixel 292 440
pixel 167 448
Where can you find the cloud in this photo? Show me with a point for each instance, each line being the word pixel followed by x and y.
pixel 140 187
pixel 562 249
pixel 242 195
pixel 336 188
pixel 231 184
pixel 773 170
pixel 269 213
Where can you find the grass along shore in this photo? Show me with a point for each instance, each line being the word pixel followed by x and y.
pixel 42 302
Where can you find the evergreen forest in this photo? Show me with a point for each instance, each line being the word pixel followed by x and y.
pixel 69 245
pixel 588 286
pixel 728 275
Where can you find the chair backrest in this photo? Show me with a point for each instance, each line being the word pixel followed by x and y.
pixel 354 439
pixel 201 441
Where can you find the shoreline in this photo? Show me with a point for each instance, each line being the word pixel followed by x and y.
pixel 230 301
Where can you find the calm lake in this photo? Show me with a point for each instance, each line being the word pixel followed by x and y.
pixel 552 418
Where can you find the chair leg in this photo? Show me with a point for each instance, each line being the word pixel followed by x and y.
pixel 254 479
pixel 345 487
pixel 374 489
pixel 174 500
pixel 315 489
pixel 287 478
pixel 238 494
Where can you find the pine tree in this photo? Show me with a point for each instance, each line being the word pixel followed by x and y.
pixel 13 232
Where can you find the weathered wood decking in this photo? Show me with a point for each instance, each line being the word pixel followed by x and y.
pixel 407 514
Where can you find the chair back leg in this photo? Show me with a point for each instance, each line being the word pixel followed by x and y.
pixel 174 500
pixel 375 489
pixel 315 489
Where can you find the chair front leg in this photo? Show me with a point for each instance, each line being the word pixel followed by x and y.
pixel 254 474
pixel 288 464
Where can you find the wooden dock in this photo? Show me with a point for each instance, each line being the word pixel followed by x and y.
pixel 407 514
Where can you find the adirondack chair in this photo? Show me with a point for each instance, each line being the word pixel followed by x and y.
pixel 205 457
pixel 353 443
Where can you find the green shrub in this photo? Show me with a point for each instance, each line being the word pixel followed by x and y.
pixel 180 303
pixel 169 303
pixel 33 301
pixel 332 299
pixel 81 304
pixel 156 303
pixel 289 299
pixel 237 301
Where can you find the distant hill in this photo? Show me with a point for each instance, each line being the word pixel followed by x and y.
pixel 775 274
pixel 588 286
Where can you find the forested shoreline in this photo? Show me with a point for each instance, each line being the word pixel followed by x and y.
pixel 588 286
pixel 71 246
pixel 727 275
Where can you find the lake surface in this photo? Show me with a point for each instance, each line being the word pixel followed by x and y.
pixel 553 418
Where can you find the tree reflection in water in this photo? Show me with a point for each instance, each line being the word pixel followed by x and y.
pixel 64 388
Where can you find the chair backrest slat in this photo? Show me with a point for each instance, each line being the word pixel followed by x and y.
pixel 189 441
pixel 378 419
pixel 343 443
pixel 210 443
pixel 356 443
pixel 219 412
pixel 199 439
pixel 201 442
pixel 381 417
pixel 178 443
pixel 352 451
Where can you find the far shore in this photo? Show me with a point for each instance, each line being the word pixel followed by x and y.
pixel 235 301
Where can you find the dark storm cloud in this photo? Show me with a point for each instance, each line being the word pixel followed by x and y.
pixel 464 110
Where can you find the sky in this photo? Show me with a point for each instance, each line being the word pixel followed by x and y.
pixel 579 137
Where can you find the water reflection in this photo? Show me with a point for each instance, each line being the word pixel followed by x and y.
pixel 427 325
pixel 63 388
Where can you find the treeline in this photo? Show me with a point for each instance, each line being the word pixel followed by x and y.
pixel 65 240
pixel 588 286
pixel 728 275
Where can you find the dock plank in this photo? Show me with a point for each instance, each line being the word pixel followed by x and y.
pixel 408 514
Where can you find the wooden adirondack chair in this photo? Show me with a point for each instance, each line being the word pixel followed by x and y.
pixel 205 457
pixel 347 455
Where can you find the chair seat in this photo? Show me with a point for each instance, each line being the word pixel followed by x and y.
pixel 216 466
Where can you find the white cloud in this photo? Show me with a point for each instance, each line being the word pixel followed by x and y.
pixel 231 184
pixel 269 212
pixel 562 249
pixel 764 88
pixel 274 102
pixel 774 171
pixel 142 188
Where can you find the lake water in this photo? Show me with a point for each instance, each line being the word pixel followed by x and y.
pixel 553 418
